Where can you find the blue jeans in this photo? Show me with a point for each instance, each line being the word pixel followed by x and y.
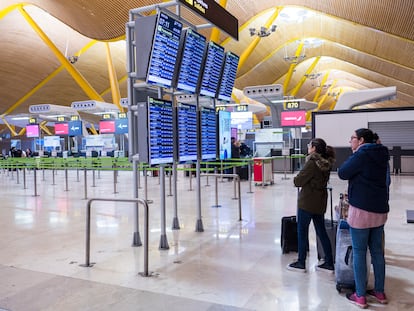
pixel 304 218
pixel 362 239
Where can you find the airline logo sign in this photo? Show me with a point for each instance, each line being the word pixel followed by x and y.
pixel 295 118
pixel 121 126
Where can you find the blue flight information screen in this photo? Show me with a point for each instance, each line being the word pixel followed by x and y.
pixel 164 51
pixel 160 118
pixel 208 133
pixel 212 70
pixel 231 62
pixel 187 132
pixel 191 60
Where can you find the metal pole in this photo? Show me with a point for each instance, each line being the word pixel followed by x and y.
pixel 234 184
pixel 207 185
pixel 216 189
pixel 240 209
pixel 175 224
pixel 93 178
pixel 163 238
pixel 88 231
pixel 199 223
pixel 136 240
pixel 190 173
pixel 53 177
pixel 66 179
pixel 145 184
pixel 170 185
pixel 85 183
pixel 35 181
pixel 24 178
pixel 17 175
pixel 249 167
pixel 115 178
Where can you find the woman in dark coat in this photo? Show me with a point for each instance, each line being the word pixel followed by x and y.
pixel 313 196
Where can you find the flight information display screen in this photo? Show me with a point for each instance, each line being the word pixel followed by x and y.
pixel 208 133
pixel 212 70
pixel 192 56
pixel 231 62
pixel 164 51
pixel 161 142
pixel 187 132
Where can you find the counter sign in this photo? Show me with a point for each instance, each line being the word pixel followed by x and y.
pixel 293 105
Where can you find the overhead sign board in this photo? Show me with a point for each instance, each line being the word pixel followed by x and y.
pixel 216 14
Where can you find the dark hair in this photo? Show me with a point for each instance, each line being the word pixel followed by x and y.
pixel 324 150
pixel 366 134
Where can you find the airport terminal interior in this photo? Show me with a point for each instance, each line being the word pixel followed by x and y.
pixel 100 98
pixel 231 265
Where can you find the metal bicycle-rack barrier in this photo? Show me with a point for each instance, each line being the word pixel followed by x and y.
pixel 87 263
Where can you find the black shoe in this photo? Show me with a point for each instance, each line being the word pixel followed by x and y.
pixel 296 266
pixel 325 267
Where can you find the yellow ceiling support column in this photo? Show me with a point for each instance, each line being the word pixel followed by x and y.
pixel 31 92
pixel 11 127
pixel 44 81
pixel 325 96
pixel 93 129
pixel 321 101
pixel 292 67
pixel 335 100
pixel 77 76
pixel 215 32
pixel 318 92
pixel 116 94
pixel 255 119
pixel 7 10
pixel 303 79
pixel 22 131
pixel 249 50
pixel 44 127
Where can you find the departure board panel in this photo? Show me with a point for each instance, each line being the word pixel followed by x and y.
pixel 160 127
pixel 208 133
pixel 192 55
pixel 187 132
pixel 212 70
pixel 164 51
pixel 231 62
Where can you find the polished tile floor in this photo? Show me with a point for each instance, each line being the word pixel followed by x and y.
pixel 232 265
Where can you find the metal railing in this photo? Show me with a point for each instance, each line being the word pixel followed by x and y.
pixel 236 177
pixel 88 229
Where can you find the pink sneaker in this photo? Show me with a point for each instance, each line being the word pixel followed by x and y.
pixel 380 297
pixel 359 301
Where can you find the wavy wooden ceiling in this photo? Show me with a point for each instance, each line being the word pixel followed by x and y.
pixel 362 44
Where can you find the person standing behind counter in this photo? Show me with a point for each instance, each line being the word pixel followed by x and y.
pixel 366 172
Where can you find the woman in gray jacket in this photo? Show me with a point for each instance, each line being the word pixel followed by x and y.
pixel 313 196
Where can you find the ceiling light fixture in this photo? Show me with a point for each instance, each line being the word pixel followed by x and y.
pixel 263 31
pixel 313 76
pixel 294 59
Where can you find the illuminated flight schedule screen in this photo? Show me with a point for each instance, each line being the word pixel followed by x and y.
pixel 187 132
pixel 231 62
pixel 208 133
pixel 192 56
pixel 212 70
pixel 164 51
pixel 160 127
